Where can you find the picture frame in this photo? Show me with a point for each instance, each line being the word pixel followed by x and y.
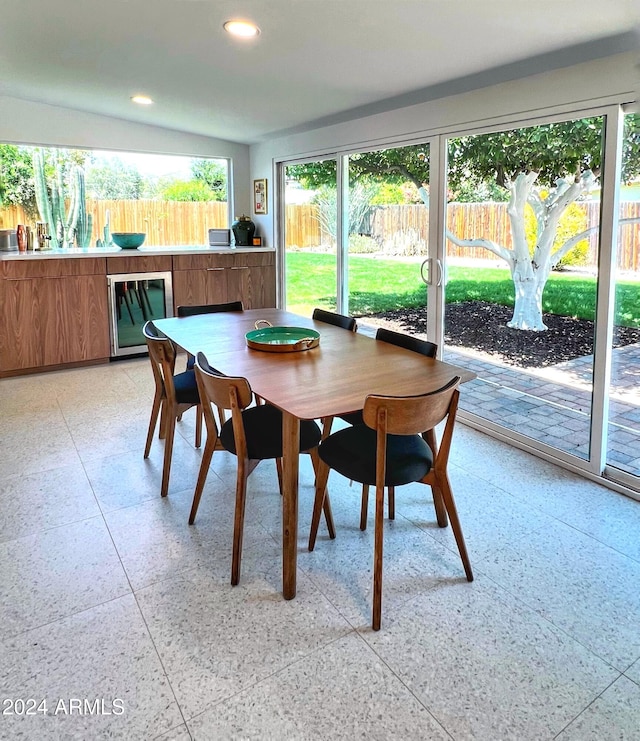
pixel 260 196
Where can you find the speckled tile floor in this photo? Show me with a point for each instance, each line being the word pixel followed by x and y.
pixel 117 619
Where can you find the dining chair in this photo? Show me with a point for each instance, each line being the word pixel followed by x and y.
pixel 252 434
pixel 174 394
pixel 390 449
pixel 429 350
pixel 187 310
pixel 337 320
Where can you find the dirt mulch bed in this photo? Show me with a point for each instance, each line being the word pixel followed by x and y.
pixel 482 326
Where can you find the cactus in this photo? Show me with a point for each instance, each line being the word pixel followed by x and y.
pixel 64 225
pixel 83 220
pixel 42 196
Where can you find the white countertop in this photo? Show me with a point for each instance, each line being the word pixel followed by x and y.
pixel 119 252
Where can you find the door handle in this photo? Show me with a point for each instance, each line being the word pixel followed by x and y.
pixel 427 263
pixel 427 279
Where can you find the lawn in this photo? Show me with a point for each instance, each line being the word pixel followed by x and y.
pixel 377 285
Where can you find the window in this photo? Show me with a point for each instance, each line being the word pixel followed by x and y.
pixel 85 195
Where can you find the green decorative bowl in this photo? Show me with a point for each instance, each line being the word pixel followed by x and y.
pixel 128 240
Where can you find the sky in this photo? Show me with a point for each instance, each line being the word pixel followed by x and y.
pixel 150 165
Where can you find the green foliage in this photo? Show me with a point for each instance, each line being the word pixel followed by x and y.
pixel 188 190
pixel 389 194
pixel 472 191
pixel 572 222
pixel 631 148
pixel 362 244
pixel 16 178
pixel 214 174
pixel 114 181
pixel 359 199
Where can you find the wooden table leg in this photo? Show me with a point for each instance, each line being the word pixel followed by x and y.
pixel 290 459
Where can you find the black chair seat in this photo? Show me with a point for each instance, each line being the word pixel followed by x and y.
pixel 186 387
pixel 352 452
pixel 263 432
pixel 353 418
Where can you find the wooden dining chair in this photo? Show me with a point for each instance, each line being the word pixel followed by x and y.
pixel 337 320
pixel 253 434
pixel 390 449
pixel 186 310
pixel 429 350
pixel 174 394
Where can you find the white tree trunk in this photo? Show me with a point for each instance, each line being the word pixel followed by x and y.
pixel 527 312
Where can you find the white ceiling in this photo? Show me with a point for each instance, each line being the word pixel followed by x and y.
pixel 315 60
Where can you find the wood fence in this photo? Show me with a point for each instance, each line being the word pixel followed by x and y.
pixel 164 222
pixel 396 229
pixel 404 229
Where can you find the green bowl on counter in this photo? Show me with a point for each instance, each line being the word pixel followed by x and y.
pixel 128 240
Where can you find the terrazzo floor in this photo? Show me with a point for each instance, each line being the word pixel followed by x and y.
pixel 117 619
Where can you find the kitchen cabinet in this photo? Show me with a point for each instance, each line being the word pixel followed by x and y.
pixel 214 279
pixel 55 310
pixel 54 313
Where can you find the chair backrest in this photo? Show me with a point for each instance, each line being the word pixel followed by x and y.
pixel 210 308
pixel 162 354
pixel 338 320
pixel 222 391
pixel 411 415
pixel 424 347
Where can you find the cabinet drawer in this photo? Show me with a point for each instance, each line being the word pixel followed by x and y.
pixel 139 264
pixel 52 268
pixel 217 260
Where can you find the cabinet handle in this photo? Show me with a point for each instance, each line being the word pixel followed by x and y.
pixel 244 267
pixel 213 270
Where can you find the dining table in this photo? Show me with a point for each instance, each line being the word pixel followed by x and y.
pixel 328 380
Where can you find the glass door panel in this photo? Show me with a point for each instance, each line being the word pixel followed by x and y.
pixel 310 236
pixel 388 238
pixel 522 227
pixel 623 440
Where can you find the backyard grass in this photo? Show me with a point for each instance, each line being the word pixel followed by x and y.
pixel 377 285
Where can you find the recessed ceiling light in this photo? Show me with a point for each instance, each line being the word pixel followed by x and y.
pixel 245 29
pixel 141 99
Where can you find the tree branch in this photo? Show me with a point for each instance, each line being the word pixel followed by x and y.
pixel 498 250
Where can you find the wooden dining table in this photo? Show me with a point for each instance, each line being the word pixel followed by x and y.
pixel 331 379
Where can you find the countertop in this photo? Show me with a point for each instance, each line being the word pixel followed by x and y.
pixel 119 252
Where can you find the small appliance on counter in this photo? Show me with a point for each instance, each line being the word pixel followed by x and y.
pixel 219 237
pixel 8 240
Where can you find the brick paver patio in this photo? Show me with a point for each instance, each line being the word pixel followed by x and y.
pixel 553 404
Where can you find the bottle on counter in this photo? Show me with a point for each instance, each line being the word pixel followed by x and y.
pixel 21 233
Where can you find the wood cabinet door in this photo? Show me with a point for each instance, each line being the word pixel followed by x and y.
pixel 20 325
pixel 74 319
pixel 205 286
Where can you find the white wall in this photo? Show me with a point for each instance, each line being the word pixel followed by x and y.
pixel 613 79
pixel 25 122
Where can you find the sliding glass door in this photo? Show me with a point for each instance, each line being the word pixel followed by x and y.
pixel 388 237
pixel 623 433
pixel 529 245
pixel 521 258
pixel 310 220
